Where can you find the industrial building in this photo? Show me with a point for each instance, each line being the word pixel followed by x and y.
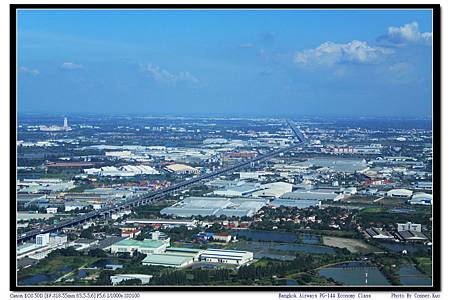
pixel 378 233
pixel 215 206
pixel 168 260
pixel 314 195
pixel 273 190
pixel 399 193
pixel 182 169
pixel 116 279
pixel 241 189
pixel 299 203
pixel 234 257
pixel 421 199
pixel 145 246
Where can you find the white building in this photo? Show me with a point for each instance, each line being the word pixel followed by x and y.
pixel 182 169
pixel 234 257
pixel 399 193
pixel 274 189
pixel 422 199
pixel 43 239
pixel 409 226
pixel 116 279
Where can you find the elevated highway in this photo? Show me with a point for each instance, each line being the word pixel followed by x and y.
pixel 154 196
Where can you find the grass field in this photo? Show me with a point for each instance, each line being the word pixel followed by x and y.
pixel 424 264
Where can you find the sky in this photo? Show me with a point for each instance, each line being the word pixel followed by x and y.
pixel 352 63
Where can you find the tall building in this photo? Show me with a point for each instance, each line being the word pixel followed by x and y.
pixel 66 124
pixel 42 239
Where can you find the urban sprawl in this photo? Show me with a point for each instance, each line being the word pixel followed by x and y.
pixel 172 201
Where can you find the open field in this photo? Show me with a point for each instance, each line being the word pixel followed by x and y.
pixel 352 245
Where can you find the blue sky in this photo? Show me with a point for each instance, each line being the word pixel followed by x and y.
pixel 226 62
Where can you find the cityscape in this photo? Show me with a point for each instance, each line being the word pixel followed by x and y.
pixel 305 167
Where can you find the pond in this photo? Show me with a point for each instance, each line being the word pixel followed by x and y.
pixel 310 238
pixel 411 248
pixel 409 275
pixel 105 263
pixel 37 279
pixel 355 274
pixel 267 236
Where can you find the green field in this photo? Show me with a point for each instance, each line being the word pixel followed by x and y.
pixel 424 264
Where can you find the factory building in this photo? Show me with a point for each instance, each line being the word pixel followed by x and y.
pixel 116 279
pixel 182 169
pixel 421 199
pixel 233 257
pixel 145 246
pixel 273 190
pixel 215 206
pixel 399 193
pixel 167 260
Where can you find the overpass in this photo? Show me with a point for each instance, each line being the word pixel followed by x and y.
pixel 154 196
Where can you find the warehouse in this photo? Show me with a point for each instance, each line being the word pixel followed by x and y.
pixel 422 199
pixel 238 190
pixel 215 206
pixel 299 203
pixel 399 193
pixel 316 195
pixel 116 279
pixel 182 169
pixel 234 257
pixel 188 252
pixel 167 260
pixel 145 246
pixel 273 190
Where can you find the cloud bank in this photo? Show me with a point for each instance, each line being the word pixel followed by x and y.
pixel 164 76
pixel 329 53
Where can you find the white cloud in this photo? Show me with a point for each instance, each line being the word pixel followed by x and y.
pixel 408 33
pixel 71 66
pixel 165 76
pixel 329 53
pixel 27 70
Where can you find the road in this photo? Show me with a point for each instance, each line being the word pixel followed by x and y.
pixel 154 196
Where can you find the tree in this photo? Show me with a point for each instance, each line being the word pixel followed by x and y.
pixel 87 233
pixel 97 253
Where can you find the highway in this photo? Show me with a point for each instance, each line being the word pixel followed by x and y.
pixel 152 197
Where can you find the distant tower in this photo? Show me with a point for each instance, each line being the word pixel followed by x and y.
pixel 66 124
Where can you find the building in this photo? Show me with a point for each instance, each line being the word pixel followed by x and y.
pixel 399 193
pixel 145 246
pixel 116 279
pixel 411 236
pixel 168 260
pixel 52 210
pixel 315 195
pixel 409 226
pixel 43 239
pixel 130 233
pixel 421 199
pixel 241 189
pixel 188 252
pixel 233 257
pixel 182 169
pixel 273 190
pixel 164 223
pixel 378 233
pixel 222 237
pixel 215 206
pixel 299 203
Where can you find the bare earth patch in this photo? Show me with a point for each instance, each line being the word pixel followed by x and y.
pixel 352 245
